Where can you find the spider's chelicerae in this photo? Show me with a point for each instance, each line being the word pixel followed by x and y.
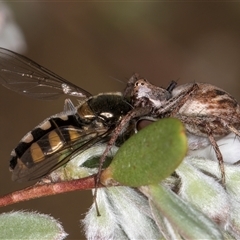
pixel 207 111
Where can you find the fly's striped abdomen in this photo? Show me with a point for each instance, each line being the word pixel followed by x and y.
pixel 37 133
pixel 50 137
pixel 49 144
pixel 54 149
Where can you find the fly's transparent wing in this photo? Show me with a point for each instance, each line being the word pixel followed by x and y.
pixel 24 76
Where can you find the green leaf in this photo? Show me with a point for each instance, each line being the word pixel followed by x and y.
pixel 94 162
pixel 149 156
pixel 30 225
pixel 189 222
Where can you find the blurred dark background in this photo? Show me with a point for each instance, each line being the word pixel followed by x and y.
pixel 93 44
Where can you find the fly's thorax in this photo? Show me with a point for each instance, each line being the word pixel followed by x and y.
pixel 146 94
pixel 85 112
pixel 107 108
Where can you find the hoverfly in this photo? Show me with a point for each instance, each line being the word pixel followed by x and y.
pixel 60 137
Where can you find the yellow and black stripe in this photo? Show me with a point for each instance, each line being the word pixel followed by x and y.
pixel 46 141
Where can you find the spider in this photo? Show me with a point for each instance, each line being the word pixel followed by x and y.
pixel 207 111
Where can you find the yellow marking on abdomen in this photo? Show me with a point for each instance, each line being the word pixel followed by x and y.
pixel 54 141
pixel 36 152
pixel 74 135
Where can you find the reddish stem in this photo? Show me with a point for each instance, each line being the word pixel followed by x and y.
pixel 37 191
